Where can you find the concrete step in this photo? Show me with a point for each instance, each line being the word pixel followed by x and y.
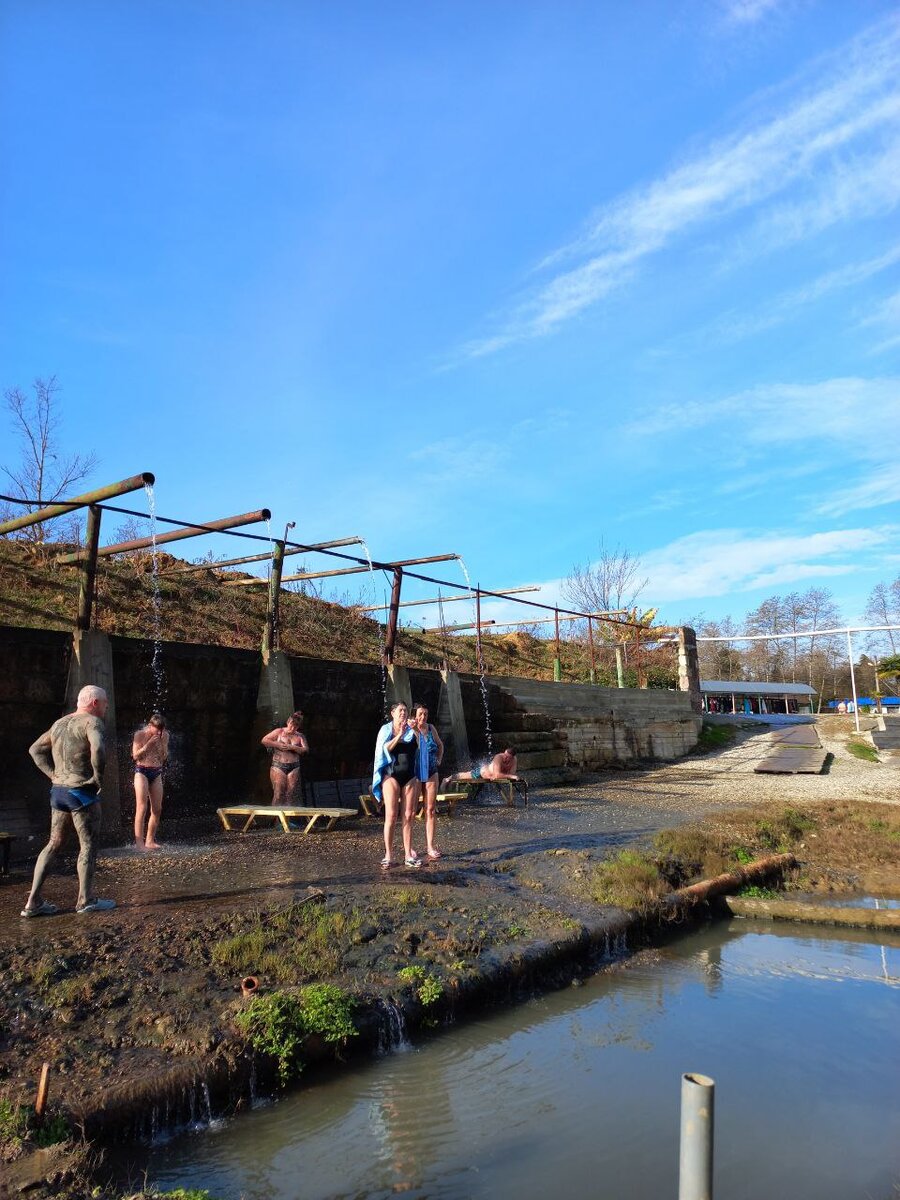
pixel 540 760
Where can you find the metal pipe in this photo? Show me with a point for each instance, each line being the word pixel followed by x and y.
pixel 457 628
pixel 852 681
pixel 236 562
pixel 620 668
pixel 530 620
pixel 43 1091
pixel 390 633
pixel 590 622
pixel 89 571
pixel 445 599
pixel 134 484
pixel 557 665
pixel 479 651
pixel 378 566
pixel 176 535
pixel 270 629
pixel 695 1161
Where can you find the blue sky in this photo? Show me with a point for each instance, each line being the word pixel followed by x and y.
pixel 501 279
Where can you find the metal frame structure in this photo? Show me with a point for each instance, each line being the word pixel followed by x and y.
pixel 778 637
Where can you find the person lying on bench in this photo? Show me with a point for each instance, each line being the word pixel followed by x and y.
pixel 501 766
pixel 286 744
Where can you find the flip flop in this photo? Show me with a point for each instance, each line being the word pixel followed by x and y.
pixel 44 909
pixel 386 864
pixel 433 854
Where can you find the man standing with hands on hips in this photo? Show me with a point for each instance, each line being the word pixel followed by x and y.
pixel 72 753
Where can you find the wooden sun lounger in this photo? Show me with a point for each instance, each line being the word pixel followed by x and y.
pixel 508 789
pixel 254 813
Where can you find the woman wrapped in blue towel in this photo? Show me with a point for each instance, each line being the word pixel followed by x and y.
pixel 396 780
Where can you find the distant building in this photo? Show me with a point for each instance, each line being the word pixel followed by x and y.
pixel 741 696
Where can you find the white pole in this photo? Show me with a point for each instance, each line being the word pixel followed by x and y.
pixel 853 680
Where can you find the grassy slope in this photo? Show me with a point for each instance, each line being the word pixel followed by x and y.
pixel 198 607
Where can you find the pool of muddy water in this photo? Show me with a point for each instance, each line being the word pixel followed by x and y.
pixel 577 1093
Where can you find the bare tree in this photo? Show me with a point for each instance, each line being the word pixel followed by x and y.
pixel 44 474
pixel 883 608
pixel 612 581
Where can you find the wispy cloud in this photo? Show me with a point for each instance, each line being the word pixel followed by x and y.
pixel 747 12
pixel 717 563
pixel 733 326
pixel 886 317
pixel 835 142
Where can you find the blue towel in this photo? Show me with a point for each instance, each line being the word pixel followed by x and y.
pixel 383 758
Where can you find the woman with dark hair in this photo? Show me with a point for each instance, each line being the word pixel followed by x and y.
pixel 287 743
pixel 432 751
pixel 396 779
pixel 150 752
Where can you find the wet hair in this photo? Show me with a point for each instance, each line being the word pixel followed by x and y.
pixel 157 720
pixel 399 704
pixel 88 694
pixel 297 719
pixel 416 707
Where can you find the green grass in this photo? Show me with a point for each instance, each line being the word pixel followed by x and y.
pixel 714 737
pixel 429 988
pixel 863 750
pixel 303 942
pixel 629 880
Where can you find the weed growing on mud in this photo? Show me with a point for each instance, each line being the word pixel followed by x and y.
pixel 18 1125
pixel 277 1024
pixel 429 988
pixel 301 942
pixel 754 892
pixel 629 880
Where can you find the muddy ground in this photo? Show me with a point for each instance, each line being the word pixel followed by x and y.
pixel 111 999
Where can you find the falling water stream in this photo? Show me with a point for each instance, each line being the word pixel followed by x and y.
pixel 480 664
pixel 156 667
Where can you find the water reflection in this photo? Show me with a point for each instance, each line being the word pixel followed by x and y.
pixel 579 1091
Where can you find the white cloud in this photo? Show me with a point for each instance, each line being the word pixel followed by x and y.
pixel 720 562
pixel 806 145
pixel 879 487
pixel 747 12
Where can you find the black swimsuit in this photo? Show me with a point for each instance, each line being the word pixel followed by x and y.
pixel 403 762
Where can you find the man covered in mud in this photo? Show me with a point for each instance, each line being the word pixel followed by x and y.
pixel 73 754
pixel 286 744
pixel 501 766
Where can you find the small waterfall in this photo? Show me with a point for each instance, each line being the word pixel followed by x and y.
pixel 269 564
pixel 391 1028
pixel 156 667
pixel 489 737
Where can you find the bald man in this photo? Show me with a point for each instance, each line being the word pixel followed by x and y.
pixel 72 754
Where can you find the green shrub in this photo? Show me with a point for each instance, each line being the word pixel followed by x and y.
pixel 429 989
pixel 277 1024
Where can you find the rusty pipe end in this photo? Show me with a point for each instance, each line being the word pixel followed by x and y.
pixel 249 986
pixel 265 514
pixel 148 478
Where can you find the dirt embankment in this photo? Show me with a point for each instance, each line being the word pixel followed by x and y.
pixel 120 1002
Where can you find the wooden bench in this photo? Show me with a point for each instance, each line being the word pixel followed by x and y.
pixel 508 789
pixel 6 841
pixel 282 814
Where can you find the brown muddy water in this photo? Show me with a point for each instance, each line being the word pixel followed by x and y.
pixel 577 1093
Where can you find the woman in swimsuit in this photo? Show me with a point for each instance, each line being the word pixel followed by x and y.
pixel 432 747
pixel 396 781
pixel 286 744
pixel 150 751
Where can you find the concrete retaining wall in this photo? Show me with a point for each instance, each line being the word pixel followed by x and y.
pixel 209 700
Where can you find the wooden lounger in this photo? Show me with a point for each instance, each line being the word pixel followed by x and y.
pixel 253 813
pixel 508 788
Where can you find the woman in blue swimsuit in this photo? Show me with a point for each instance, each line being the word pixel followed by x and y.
pixel 432 746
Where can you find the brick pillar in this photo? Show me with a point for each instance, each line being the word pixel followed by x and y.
pixel 689 666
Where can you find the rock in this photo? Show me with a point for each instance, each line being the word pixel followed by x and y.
pixel 367 933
